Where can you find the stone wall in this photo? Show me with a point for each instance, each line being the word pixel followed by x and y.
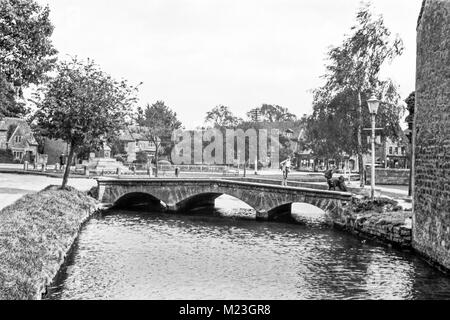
pixel 431 232
pixel 370 226
pixel 389 177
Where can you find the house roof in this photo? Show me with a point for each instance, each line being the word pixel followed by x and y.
pixel 22 129
pixel 6 122
pixel 130 134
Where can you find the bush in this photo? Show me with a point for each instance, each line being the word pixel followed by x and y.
pixel 380 205
pixel 120 159
pixel 93 193
pixel 6 156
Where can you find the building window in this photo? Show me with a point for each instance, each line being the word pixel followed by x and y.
pixel 18 139
pixel 18 155
pixel 396 150
pixel 403 150
pixel 390 150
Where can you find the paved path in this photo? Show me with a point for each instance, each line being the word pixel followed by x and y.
pixel 15 186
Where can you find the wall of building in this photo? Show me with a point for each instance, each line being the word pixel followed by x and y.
pixel 431 235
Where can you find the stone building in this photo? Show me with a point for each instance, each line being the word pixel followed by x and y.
pixel 16 135
pixel 133 142
pixel 431 225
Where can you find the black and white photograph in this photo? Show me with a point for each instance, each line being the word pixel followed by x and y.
pixel 195 151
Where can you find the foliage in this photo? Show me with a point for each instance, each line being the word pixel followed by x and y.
pixel 273 113
pixel 380 205
pixel 352 75
pixel 84 107
pixel 26 50
pixel 117 146
pixel 156 123
pixel 9 107
pixel 222 117
pixel 332 129
pixel 120 158
pixel 141 157
pixel 411 107
pixel 6 156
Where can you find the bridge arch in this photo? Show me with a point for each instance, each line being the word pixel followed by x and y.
pixel 139 201
pixel 295 212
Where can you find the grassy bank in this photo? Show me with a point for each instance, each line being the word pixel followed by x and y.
pixel 36 232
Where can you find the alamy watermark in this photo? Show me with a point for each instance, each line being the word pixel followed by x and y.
pixel 226 147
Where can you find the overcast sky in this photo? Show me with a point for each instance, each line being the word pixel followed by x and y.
pixel 196 54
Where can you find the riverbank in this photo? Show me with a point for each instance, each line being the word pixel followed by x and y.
pixel 36 233
pixel 385 221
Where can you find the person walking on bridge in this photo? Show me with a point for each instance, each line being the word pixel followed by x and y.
pixel 285 168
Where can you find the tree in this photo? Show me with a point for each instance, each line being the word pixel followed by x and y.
pixel 156 123
pixel 222 117
pixel 355 66
pixel 141 157
pixel 273 113
pixel 411 106
pixel 84 107
pixel 9 107
pixel 26 51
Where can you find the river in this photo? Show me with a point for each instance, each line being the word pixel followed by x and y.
pixel 129 255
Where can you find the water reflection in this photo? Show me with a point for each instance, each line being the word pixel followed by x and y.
pixel 133 256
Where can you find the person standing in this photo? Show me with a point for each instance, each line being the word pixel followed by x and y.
pixel 329 176
pixel 285 168
pixel 62 161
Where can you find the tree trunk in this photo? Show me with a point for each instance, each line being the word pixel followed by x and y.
pixel 67 170
pixel 359 135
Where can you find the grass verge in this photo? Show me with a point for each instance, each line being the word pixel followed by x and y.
pixel 36 232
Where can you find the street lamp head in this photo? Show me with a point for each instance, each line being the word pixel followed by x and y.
pixel 374 104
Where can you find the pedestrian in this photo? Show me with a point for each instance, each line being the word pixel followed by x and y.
pixel 61 161
pixel 177 172
pixel 285 168
pixel 329 176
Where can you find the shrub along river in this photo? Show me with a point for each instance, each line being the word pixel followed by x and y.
pixel 126 255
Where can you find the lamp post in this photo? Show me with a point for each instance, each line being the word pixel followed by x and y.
pixel 374 104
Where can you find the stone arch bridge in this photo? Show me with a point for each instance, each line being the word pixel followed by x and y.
pixel 271 202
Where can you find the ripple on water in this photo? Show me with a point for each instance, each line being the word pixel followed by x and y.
pixel 125 256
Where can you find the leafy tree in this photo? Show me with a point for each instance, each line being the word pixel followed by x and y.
pixel 9 107
pixel 221 116
pixel 354 67
pixel 26 51
pixel 156 123
pixel 331 130
pixel 273 113
pixel 84 107
pixel 117 147
pixel 141 157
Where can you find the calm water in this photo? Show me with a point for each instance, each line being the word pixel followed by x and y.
pixel 152 256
